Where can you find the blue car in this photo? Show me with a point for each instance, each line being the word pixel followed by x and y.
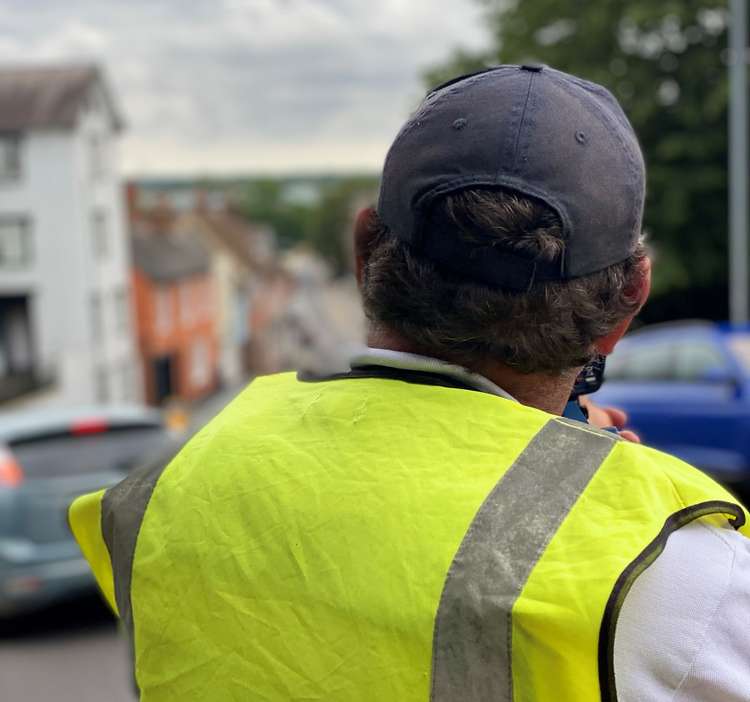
pixel 686 387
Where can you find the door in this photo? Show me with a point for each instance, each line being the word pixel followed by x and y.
pixel 682 398
pixel 163 385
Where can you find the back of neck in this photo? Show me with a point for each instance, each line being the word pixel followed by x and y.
pixel 544 391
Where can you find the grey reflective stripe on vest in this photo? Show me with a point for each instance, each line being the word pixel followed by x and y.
pixel 123 508
pixel 472 640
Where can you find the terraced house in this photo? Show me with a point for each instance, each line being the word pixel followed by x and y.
pixel 176 305
pixel 66 331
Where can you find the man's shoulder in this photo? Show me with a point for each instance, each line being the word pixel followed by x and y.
pixel 668 479
pixel 692 602
pixel 628 453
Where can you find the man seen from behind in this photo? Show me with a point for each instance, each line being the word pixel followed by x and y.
pixel 425 525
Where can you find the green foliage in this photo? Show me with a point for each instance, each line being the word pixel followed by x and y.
pixel 316 211
pixel 665 62
pixel 264 202
pixel 331 229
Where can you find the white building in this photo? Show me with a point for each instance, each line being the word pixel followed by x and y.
pixel 66 331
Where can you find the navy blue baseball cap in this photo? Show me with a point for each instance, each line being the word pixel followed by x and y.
pixel 531 129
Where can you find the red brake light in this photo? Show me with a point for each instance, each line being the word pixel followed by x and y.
pixel 88 426
pixel 11 474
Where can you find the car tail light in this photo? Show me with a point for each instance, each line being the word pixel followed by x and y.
pixel 11 474
pixel 89 426
pixel 23 585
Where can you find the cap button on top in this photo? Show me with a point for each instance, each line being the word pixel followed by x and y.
pixel 535 67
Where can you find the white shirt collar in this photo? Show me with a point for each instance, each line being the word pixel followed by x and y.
pixel 414 362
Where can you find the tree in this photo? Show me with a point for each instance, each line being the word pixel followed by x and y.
pixel 324 221
pixel 666 64
pixel 263 201
pixel 331 229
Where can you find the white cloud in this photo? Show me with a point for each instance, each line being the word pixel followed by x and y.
pixel 216 85
pixel 74 38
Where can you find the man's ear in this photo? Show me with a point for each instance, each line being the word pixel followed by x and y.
pixel 640 290
pixel 364 239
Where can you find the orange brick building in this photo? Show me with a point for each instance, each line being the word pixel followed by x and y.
pixel 175 308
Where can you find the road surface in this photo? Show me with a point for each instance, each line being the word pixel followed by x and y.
pixel 71 652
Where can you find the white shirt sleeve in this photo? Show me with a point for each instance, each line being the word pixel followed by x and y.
pixel 683 633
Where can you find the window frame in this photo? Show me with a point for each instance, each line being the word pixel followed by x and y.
pixel 100 239
pixel 626 376
pixel 15 172
pixel 26 259
pixel 200 367
pixel 164 322
pixel 96 312
pixel 97 144
pixel 717 351
pixel 102 386
pixel 122 313
pixel 185 298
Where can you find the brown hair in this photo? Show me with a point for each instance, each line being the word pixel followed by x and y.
pixel 550 328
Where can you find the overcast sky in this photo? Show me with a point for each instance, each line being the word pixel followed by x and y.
pixel 216 86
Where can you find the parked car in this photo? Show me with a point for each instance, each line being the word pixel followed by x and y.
pixel 686 387
pixel 47 458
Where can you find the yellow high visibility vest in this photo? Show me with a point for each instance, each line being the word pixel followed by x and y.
pixel 379 540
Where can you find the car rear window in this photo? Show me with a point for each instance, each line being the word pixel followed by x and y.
pixel 740 346
pixel 649 362
pixel 118 449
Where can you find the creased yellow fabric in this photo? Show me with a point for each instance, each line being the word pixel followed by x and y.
pixel 297 549
pixel 85 518
pixel 557 617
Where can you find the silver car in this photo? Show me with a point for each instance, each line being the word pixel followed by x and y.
pixel 47 458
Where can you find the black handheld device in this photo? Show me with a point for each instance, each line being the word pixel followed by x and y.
pixel 590 378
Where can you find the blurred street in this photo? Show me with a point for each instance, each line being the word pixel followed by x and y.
pixel 73 652
pixel 70 653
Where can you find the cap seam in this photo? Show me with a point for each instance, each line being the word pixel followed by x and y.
pixel 520 124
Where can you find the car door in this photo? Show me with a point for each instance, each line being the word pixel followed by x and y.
pixel 639 379
pixel 682 397
pixel 707 409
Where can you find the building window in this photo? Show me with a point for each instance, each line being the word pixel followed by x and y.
pixel 201 300
pixel 200 364
pixel 97 323
pixel 10 157
pixel 97 155
pixel 16 355
pixel 99 234
pixel 163 310
pixel 207 293
pixel 186 303
pixel 101 385
pixel 128 382
pixel 122 309
pixel 241 316
pixel 15 242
